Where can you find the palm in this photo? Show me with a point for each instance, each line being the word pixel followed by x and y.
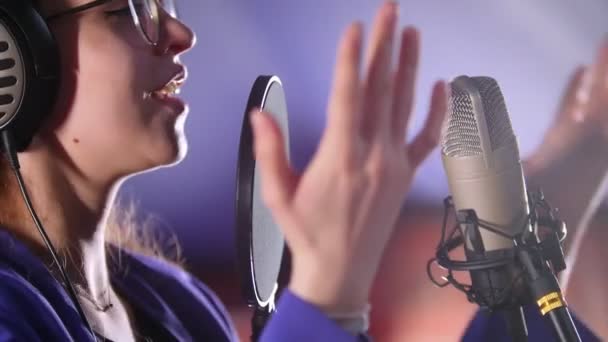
pixel 374 195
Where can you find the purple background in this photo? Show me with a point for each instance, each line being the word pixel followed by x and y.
pixel 529 47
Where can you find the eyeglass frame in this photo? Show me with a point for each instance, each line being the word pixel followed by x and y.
pixel 96 3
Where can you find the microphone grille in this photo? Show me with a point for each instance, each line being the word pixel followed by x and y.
pixel 460 137
pixel 476 109
pixel 497 116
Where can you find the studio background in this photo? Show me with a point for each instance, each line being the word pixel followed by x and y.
pixel 529 47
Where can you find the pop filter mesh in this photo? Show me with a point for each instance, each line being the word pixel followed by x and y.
pixel 267 239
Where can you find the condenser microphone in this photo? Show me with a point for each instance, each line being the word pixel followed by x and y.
pixel 481 160
pixel 505 258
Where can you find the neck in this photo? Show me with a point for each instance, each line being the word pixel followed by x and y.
pixel 74 211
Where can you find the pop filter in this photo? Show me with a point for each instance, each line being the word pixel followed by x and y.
pixel 260 243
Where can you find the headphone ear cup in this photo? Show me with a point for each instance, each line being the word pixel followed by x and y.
pixel 29 70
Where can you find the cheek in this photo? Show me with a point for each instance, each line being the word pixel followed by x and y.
pixel 114 66
pixel 108 115
pixel 109 87
pixel 109 79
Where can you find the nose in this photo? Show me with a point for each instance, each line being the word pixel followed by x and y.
pixel 176 37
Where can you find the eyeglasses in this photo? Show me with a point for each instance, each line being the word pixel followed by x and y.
pixel 145 15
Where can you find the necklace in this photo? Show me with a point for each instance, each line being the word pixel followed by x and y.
pixel 104 307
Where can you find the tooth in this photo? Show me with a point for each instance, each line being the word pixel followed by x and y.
pixel 171 87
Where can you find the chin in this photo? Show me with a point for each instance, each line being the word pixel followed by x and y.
pixel 167 151
pixel 179 142
pixel 170 156
pixel 179 153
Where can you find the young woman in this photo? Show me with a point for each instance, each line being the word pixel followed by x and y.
pixel 117 115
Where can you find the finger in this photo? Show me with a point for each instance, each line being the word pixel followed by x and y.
pixel 575 95
pixel 377 87
pixel 429 137
pixel 344 112
pixel 405 81
pixel 599 82
pixel 278 178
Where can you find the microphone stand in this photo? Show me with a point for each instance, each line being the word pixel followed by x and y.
pixel 261 314
pixel 259 319
pixel 545 289
pixel 516 323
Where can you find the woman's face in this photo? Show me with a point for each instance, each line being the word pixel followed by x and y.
pixel 112 116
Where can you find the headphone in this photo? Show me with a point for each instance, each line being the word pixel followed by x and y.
pixel 29 70
pixel 29 84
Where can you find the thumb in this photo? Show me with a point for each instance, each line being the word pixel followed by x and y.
pixel 278 178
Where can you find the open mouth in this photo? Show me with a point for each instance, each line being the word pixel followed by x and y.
pixel 170 89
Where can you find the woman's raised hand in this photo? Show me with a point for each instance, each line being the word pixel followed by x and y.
pixel 339 214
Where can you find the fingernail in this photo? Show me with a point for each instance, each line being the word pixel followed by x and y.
pixel 396 9
pixel 394 4
pixel 584 88
pixel 411 30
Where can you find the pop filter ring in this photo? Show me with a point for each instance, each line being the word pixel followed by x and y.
pixel 262 300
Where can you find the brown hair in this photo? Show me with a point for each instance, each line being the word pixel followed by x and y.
pixel 131 229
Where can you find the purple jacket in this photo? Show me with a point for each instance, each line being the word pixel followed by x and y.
pixel 35 307
pixel 486 327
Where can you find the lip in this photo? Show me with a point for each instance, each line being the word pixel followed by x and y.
pixel 177 105
pixel 180 76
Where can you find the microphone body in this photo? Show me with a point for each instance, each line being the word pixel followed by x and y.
pixel 492 184
pixel 481 158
